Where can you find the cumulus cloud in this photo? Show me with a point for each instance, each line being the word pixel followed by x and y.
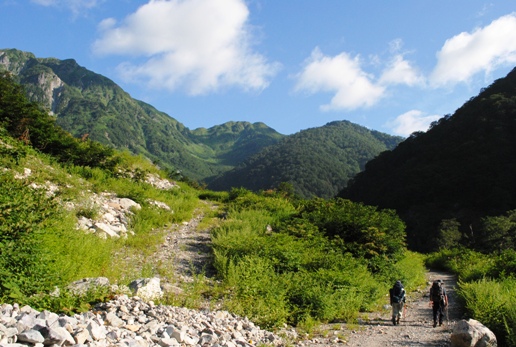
pixel 200 45
pixel 484 49
pixel 400 71
pixel 341 75
pixel 411 121
pixel 76 6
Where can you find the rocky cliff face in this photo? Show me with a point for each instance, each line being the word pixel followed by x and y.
pixel 42 85
pixel 16 63
pixel 52 88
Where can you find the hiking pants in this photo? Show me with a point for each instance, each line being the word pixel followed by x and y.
pixel 397 310
pixel 438 311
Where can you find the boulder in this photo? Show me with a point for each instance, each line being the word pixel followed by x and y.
pixel 472 333
pixel 147 289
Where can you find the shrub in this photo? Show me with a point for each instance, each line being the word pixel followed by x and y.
pixel 249 281
pixel 25 215
pixel 467 264
pixel 315 278
pixel 365 232
pixel 410 270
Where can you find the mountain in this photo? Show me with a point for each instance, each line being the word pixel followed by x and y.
pixel 461 170
pixel 317 162
pixel 89 104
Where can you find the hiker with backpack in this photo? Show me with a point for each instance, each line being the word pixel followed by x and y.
pixel 397 296
pixel 439 301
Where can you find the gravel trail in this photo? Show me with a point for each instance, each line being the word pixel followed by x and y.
pixel 416 328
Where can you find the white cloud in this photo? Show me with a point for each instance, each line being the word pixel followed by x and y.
pixel 484 49
pixel 76 6
pixel 411 121
pixel 200 45
pixel 342 75
pixel 400 71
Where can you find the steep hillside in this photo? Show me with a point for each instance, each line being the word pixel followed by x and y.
pixel 236 141
pixel 462 169
pixel 317 162
pixel 88 103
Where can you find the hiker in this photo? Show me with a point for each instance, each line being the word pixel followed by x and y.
pixel 397 296
pixel 439 301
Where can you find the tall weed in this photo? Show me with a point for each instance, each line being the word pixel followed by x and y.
pixel 76 254
pixel 313 281
pixel 410 270
pixel 494 304
pixel 469 265
pixel 256 291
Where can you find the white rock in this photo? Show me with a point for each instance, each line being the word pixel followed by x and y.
pixel 472 333
pixel 147 288
pixel 106 228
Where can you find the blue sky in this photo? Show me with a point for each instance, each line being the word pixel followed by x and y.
pixel 392 66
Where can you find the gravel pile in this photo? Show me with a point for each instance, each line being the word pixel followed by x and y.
pixel 129 322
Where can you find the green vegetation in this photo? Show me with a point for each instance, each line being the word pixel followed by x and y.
pixel 487 281
pixel 92 106
pixel 458 172
pixel 487 287
pixel 40 247
pixel 317 162
pixel 278 259
pixel 300 262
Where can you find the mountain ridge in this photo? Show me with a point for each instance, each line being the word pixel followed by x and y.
pixel 329 155
pixel 88 104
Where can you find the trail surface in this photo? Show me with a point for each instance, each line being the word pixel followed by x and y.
pixel 415 329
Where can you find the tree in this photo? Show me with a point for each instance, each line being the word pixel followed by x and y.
pixel 498 233
pixel 449 234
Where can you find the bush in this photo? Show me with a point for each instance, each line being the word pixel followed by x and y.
pixel 410 270
pixel 364 231
pixel 252 295
pixel 25 215
pixel 467 264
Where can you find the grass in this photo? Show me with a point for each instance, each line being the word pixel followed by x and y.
pixel 83 255
pixel 493 303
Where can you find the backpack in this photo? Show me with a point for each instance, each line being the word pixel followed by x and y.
pixel 397 292
pixel 437 292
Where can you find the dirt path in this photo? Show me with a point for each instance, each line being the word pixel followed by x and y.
pixel 186 249
pixel 415 328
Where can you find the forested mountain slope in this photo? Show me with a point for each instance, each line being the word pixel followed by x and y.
pixel 89 104
pixel 317 162
pixel 462 169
